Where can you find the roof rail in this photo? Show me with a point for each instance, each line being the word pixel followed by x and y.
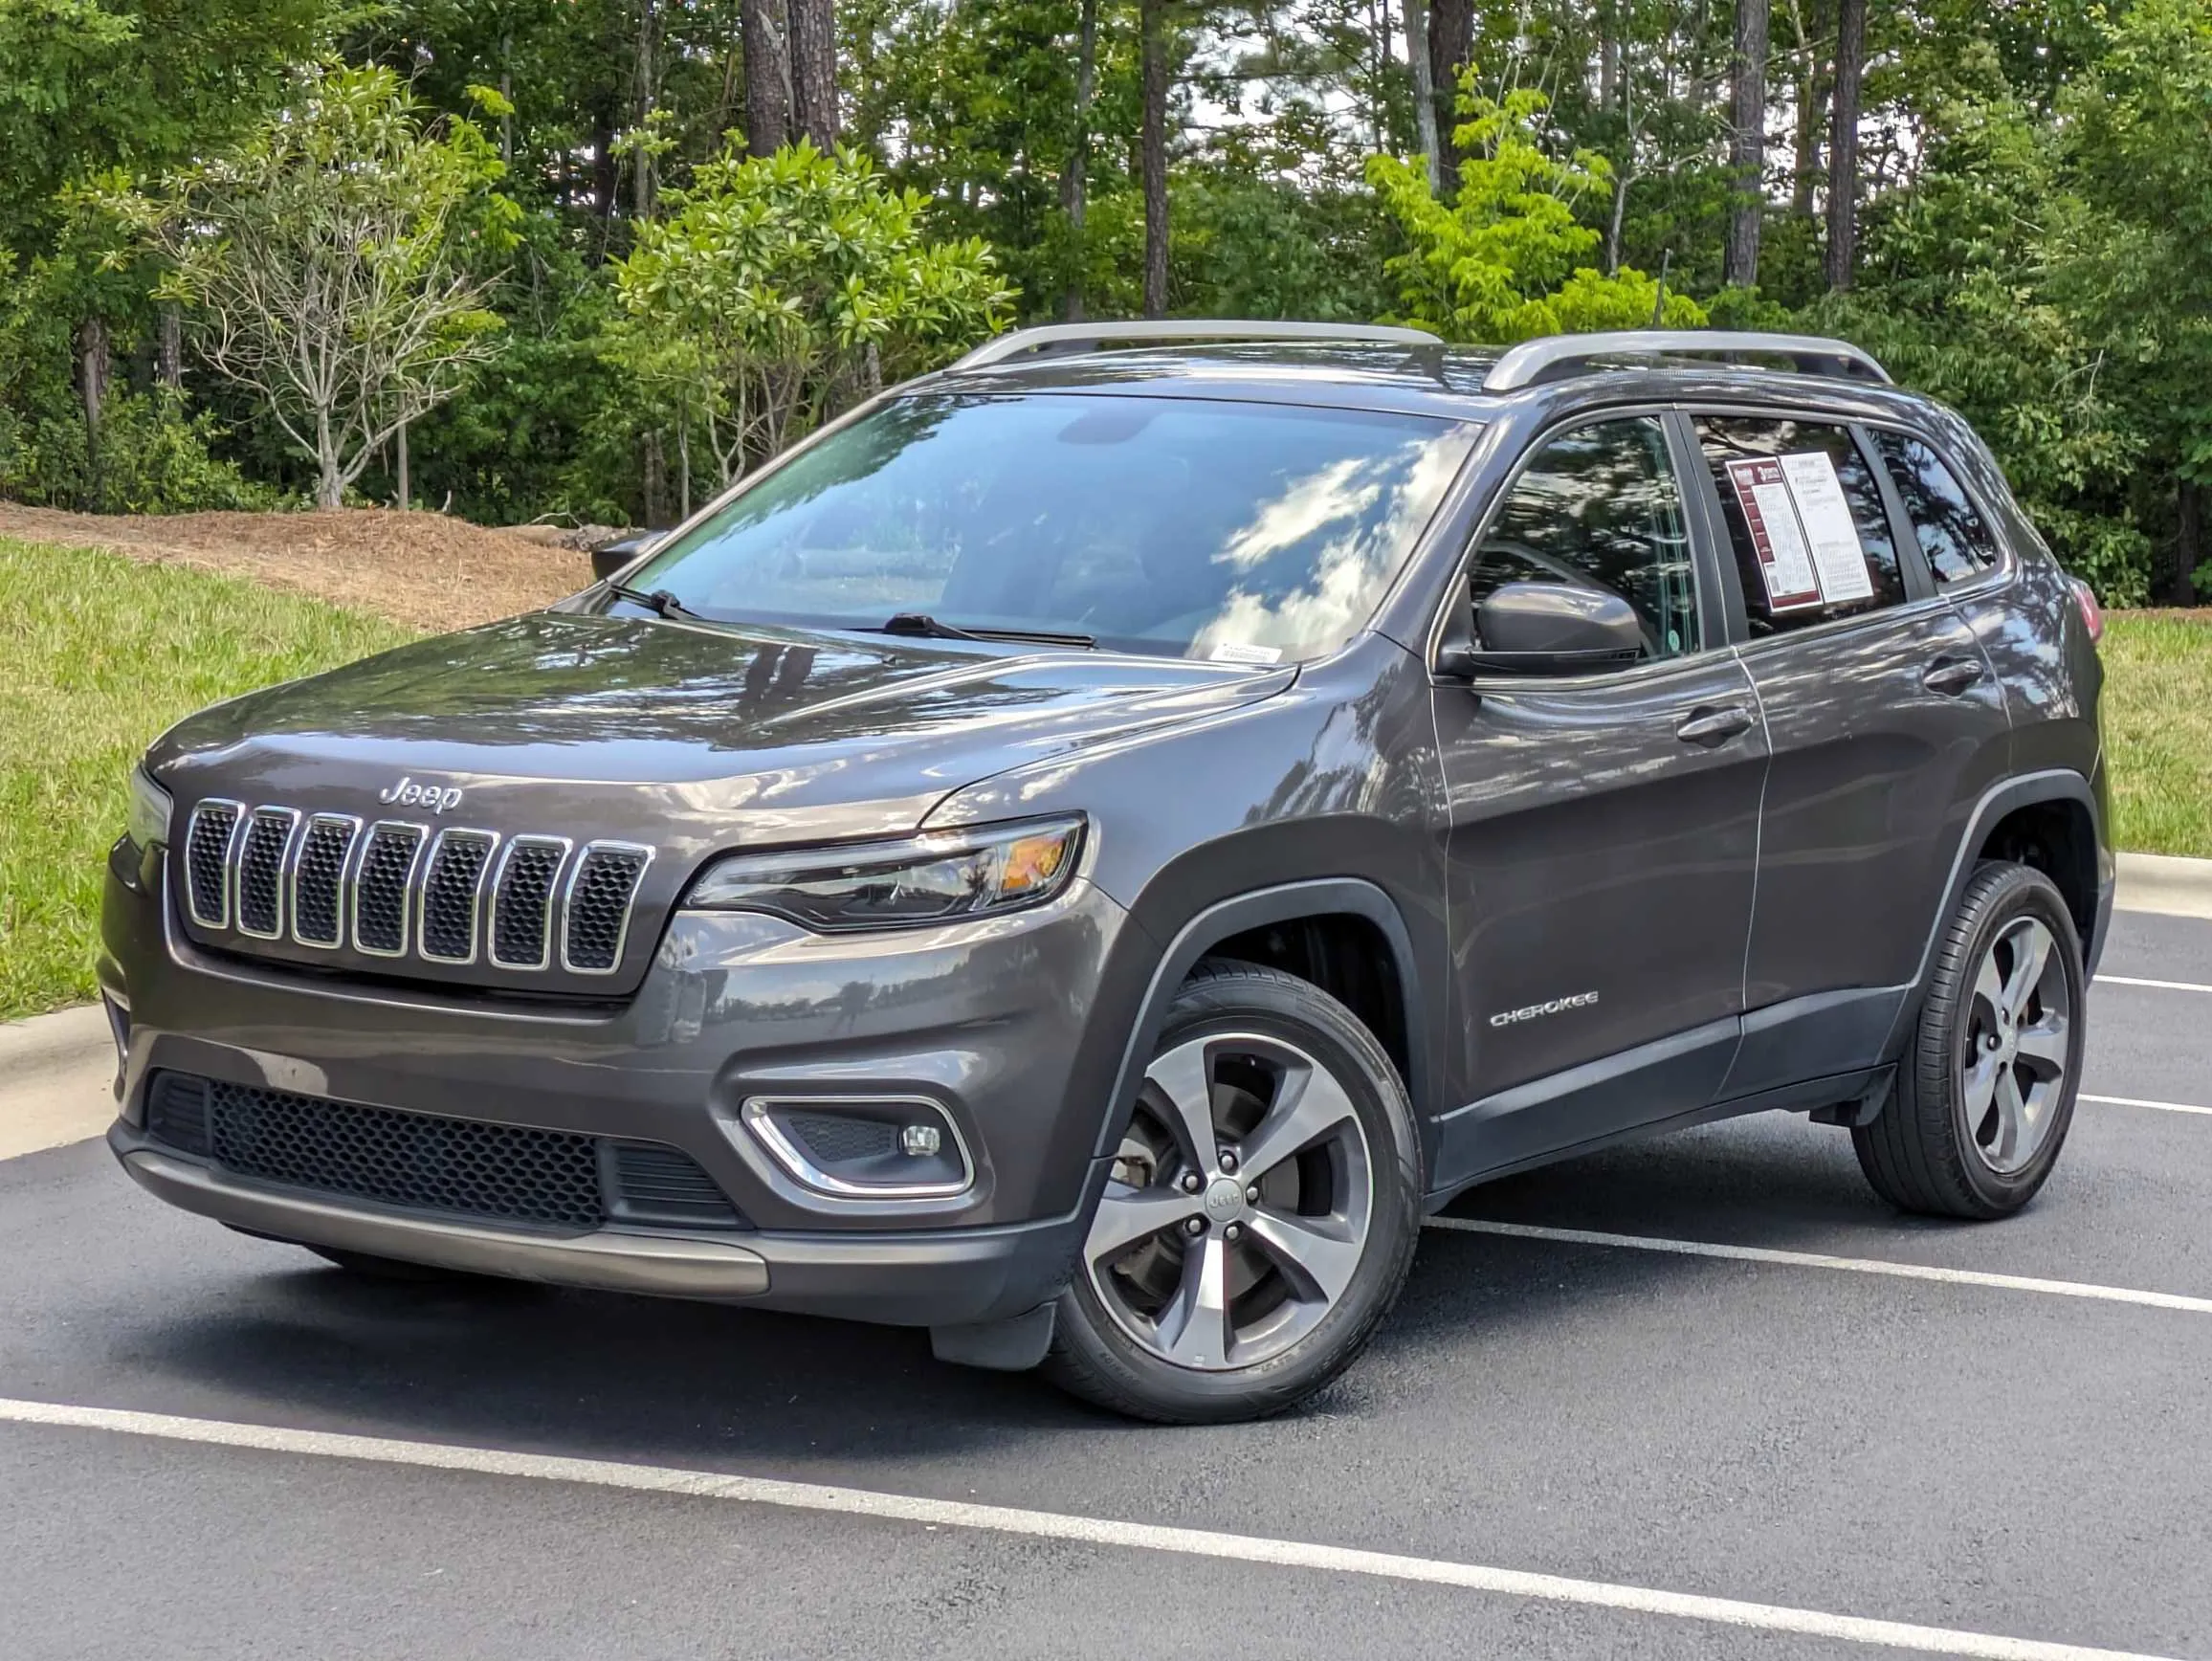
pixel 1546 359
pixel 1046 337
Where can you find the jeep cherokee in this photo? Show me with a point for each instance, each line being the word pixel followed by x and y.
pixel 1086 851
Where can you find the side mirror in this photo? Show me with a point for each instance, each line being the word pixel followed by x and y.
pixel 1544 629
pixel 610 558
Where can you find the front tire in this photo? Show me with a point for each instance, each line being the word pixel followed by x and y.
pixel 1262 1213
pixel 1985 1094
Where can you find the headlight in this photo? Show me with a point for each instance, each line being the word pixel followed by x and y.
pixel 937 877
pixel 149 811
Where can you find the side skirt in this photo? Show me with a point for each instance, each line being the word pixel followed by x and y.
pixel 1809 1053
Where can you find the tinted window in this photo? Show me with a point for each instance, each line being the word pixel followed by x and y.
pixel 1243 532
pixel 1951 530
pixel 1599 507
pixel 1805 519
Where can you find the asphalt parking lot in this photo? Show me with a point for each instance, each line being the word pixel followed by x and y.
pixel 1574 1439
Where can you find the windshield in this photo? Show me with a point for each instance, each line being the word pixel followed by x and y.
pixel 1243 533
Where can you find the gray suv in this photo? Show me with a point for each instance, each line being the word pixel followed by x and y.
pixel 1085 852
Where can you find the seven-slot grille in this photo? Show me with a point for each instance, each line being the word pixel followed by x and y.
pixel 392 888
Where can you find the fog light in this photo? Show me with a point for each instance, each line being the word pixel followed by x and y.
pixel 874 1147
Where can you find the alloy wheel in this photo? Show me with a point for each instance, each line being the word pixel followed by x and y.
pixel 1239 1204
pixel 2012 1068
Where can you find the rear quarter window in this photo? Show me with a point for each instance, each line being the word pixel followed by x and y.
pixel 1952 531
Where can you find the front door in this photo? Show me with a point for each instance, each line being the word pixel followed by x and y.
pixel 1601 831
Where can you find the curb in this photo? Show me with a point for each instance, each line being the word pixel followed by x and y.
pixel 44 1043
pixel 2165 882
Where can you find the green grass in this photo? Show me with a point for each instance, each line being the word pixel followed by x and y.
pixel 2157 712
pixel 98 654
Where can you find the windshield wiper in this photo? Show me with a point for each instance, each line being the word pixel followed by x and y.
pixel 921 626
pixel 659 602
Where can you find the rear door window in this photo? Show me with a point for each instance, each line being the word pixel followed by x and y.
pixel 1805 521
pixel 1951 530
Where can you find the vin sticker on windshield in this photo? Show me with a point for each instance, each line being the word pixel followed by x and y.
pixel 1784 561
pixel 1236 651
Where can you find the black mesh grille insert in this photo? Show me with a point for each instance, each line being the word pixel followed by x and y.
pixel 448 921
pixel 261 871
pixel 526 897
pixel 599 905
pixel 831 1139
pixel 177 1111
pixel 460 1167
pixel 316 881
pixel 205 852
pixel 661 1184
pixel 380 892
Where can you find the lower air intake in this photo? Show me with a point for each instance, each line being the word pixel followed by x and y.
pixel 460 1167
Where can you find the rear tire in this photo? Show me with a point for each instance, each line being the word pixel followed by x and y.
pixel 1985 1092
pixel 1262 1215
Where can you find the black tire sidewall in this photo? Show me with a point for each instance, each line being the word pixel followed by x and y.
pixel 1999 896
pixel 1232 997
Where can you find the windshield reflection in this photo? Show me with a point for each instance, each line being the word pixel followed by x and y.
pixel 1187 528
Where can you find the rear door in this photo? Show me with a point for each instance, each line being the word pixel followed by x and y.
pixel 1601 831
pixel 1885 721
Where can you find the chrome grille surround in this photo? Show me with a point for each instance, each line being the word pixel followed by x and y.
pixel 525 888
pixel 386 887
pixel 450 898
pixel 211 820
pixel 317 879
pixel 399 889
pixel 258 864
pixel 602 886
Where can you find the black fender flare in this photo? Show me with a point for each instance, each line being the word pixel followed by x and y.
pixel 2008 796
pixel 1256 909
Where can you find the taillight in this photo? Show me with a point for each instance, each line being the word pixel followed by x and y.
pixel 2093 614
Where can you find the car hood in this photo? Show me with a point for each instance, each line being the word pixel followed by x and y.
pixel 770 733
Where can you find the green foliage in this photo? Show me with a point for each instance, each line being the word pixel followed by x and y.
pixel 778 288
pixel 153 458
pixel 1506 259
pixel 326 259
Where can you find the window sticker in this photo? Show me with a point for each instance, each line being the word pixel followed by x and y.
pixel 1784 561
pixel 1838 557
pixel 1809 552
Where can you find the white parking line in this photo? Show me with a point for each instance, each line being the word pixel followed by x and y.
pixel 1821 1260
pixel 2156 986
pixel 2136 1101
pixel 1055 1526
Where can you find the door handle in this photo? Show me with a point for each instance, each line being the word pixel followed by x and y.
pixel 1712 728
pixel 1952 675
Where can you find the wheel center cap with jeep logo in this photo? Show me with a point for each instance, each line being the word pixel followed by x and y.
pixel 1225 1199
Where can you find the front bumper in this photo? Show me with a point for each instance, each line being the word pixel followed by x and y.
pixel 940 1277
pixel 981 1019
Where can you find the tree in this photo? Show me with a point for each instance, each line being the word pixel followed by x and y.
pixel 1747 143
pixel 1153 28
pixel 767 78
pixel 1506 259
pixel 813 53
pixel 324 258
pixel 1844 145
pixel 778 288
